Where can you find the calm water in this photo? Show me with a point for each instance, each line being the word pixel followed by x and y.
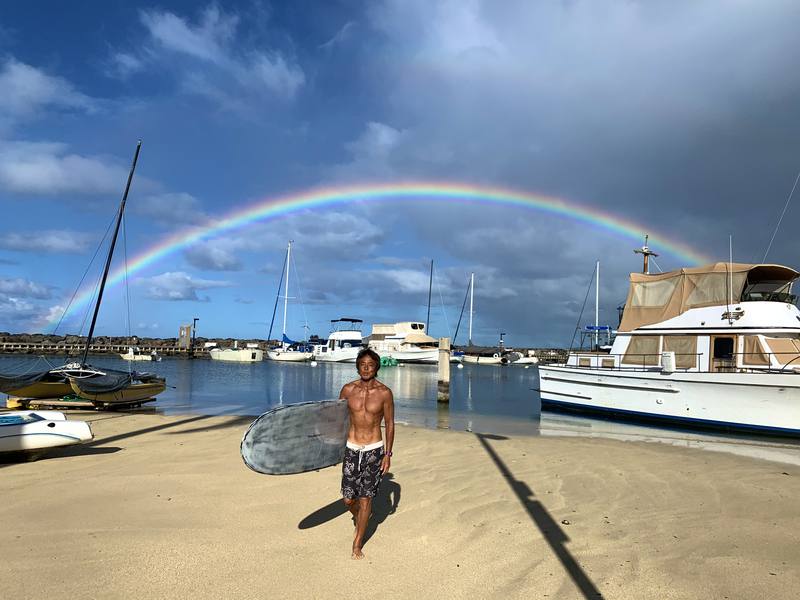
pixel 490 399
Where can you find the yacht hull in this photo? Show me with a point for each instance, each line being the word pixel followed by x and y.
pixel 240 355
pixel 412 356
pixel 762 402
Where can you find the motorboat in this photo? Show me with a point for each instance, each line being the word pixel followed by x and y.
pixel 28 430
pixel 478 359
pixel 343 344
pixel 136 354
pixel 405 341
pixel 716 346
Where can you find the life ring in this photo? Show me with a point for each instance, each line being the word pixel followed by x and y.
pixel 495 355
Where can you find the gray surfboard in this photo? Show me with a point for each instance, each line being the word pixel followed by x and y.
pixel 295 438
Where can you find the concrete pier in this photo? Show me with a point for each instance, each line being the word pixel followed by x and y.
pixel 443 385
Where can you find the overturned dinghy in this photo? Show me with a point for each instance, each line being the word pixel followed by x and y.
pixel 109 387
pixel 27 430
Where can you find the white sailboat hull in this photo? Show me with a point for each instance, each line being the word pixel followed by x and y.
pixel 767 402
pixel 482 360
pixel 240 355
pixel 288 355
pixel 39 430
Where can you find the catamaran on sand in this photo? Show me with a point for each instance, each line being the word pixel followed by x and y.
pixel 713 346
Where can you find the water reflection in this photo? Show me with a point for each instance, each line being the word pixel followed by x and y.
pixel 483 399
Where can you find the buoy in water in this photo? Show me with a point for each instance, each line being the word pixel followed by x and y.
pixel 460 366
pixel 313 363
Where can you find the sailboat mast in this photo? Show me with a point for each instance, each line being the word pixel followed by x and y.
pixel 430 287
pixel 286 289
pixel 597 305
pixel 110 253
pixel 471 295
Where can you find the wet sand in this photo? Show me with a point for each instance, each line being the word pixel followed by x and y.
pixel 163 507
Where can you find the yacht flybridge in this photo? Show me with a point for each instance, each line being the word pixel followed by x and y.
pixel 713 346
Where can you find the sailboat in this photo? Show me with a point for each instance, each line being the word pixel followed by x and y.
pixel 477 359
pixel 104 387
pixel 286 352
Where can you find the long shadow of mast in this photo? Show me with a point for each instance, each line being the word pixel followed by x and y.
pixel 552 533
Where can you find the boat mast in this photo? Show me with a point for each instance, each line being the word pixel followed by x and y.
pixel 471 294
pixel 597 306
pixel 286 289
pixel 120 212
pixel 646 253
pixel 430 287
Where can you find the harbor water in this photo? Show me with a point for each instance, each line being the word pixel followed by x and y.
pixel 483 398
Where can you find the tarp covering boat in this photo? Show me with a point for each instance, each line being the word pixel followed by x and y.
pixel 9 383
pixel 112 381
pixel 654 298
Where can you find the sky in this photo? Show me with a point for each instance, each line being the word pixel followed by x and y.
pixel 677 119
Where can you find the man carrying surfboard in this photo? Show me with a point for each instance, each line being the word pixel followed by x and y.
pixel 367 456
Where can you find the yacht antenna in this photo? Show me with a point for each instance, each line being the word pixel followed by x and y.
pixel 471 295
pixel 774 233
pixel 730 278
pixel 430 287
pixel 646 253
pixel 597 307
pixel 120 212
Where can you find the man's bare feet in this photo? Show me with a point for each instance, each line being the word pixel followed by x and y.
pixel 357 553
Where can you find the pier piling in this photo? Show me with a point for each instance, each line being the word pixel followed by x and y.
pixel 443 385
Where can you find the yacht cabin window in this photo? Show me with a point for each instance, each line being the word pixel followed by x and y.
pixel 685 349
pixel 753 353
pixel 786 350
pixel 643 350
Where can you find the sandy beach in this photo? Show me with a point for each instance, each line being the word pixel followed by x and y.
pixel 163 507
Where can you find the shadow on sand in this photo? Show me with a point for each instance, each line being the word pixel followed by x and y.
pixel 384 504
pixel 553 534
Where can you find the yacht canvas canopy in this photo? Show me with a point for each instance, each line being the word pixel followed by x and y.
pixel 419 338
pixel 653 298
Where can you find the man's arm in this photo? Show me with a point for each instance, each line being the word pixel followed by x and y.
pixel 388 420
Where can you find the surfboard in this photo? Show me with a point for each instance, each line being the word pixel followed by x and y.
pixel 295 438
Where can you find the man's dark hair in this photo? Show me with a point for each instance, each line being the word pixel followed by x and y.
pixel 372 354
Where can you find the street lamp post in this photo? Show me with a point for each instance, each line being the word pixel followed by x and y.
pixel 194 330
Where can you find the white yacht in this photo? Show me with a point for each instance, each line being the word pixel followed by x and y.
pixel 250 353
pixel 405 341
pixel 712 346
pixel 344 342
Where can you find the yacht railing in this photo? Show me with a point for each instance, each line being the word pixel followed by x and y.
pixel 728 364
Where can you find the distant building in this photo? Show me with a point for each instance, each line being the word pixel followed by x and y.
pixel 185 337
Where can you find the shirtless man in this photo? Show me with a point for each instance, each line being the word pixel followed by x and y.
pixel 367 458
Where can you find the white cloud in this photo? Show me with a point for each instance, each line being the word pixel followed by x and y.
pixel 174 208
pixel 48 168
pixel 55 241
pixel 179 285
pixel 123 65
pixel 216 62
pixel 212 256
pixel 340 37
pixel 15 310
pixel 24 288
pixel 27 90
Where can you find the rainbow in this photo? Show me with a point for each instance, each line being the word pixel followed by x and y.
pixel 326 197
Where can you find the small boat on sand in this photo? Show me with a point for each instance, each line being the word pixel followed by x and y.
pixel 27 430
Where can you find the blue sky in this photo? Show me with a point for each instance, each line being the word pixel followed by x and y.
pixel 678 115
